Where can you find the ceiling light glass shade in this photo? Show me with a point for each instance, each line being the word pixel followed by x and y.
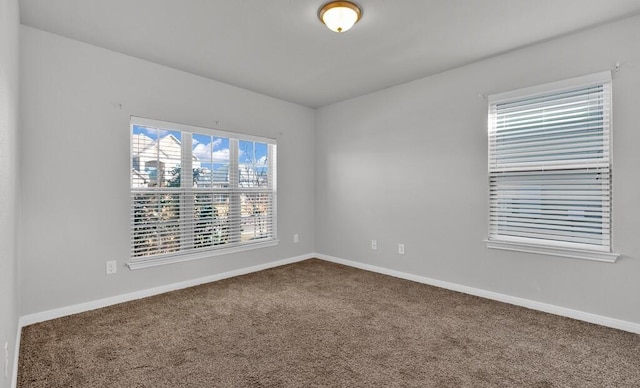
pixel 339 16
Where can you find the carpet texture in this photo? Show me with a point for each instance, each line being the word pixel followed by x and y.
pixel 316 323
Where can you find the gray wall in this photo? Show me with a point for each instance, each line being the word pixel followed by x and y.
pixel 403 165
pixel 409 165
pixel 9 182
pixel 75 164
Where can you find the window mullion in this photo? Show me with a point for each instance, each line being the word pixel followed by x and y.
pixel 235 215
pixel 271 169
pixel 187 194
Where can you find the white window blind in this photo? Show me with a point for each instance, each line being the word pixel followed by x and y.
pixel 550 166
pixel 198 191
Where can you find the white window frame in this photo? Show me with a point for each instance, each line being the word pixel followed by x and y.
pixel 536 245
pixel 187 253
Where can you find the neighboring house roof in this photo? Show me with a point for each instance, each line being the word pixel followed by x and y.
pixel 142 144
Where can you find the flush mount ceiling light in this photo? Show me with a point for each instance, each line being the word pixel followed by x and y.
pixel 339 16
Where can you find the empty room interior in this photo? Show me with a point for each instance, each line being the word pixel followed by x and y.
pixel 425 193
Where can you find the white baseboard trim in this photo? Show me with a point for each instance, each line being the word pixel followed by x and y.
pixel 16 352
pixel 545 307
pixel 30 319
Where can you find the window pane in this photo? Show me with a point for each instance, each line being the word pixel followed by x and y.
pixel 210 161
pixel 253 164
pixel 155 159
pixel 211 219
pixel 256 216
pixel 169 158
pixel 156 227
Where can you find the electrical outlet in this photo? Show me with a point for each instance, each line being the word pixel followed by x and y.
pixel 112 267
pixel 401 249
pixel 296 238
pixel 374 244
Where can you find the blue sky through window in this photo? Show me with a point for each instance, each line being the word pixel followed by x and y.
pixel 211 149
pixel 211 153
pixel 155 133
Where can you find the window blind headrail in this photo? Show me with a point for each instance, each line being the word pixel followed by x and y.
pixel 578 111
pixel 558 102
pixel 591 80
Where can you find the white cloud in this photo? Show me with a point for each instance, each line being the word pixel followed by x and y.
pixel 221 156
pixel 202 151
pixel 216 143
pixel 205 154
pixel 154 132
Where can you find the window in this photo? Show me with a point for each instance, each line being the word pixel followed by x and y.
pixel 550 169
pixel 197 192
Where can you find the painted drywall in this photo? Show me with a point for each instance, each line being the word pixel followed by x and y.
pixel 408 165
pixel 9 185
pixel 76 103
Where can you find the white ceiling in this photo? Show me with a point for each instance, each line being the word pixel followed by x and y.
pixel 280 48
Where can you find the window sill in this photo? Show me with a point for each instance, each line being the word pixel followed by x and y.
pixel 553 251
pixel 154 262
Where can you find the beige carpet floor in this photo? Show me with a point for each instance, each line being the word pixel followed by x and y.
pixel 318 324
